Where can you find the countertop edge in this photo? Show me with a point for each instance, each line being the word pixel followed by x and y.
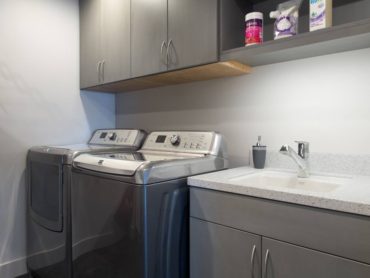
pixel 209 181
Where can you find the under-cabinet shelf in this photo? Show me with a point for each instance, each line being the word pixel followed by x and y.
pixel 345 37
pixel 193 74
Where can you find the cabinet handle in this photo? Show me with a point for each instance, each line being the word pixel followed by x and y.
pixel 103 70
pixel 164 60
pixel 98 70
pixel 168 54
pixel 252 260
pixel 267 256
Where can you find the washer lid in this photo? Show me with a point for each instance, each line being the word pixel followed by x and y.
pixel 107 164
pixel 125 163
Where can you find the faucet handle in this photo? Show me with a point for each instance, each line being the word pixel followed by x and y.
pixel 303 149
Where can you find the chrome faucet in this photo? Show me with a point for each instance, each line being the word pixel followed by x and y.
pixel 300 158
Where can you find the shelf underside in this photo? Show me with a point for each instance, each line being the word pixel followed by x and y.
pixel 341 38
pixel 199 73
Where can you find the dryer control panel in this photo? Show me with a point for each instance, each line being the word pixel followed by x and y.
pixel 117 137
pixel 182 141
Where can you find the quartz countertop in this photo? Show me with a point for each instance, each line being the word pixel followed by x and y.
pixel 351 197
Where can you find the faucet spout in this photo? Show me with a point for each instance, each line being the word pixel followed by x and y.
pixel 302 162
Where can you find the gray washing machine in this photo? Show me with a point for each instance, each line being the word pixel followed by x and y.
pixel 130 210
pixel 49 184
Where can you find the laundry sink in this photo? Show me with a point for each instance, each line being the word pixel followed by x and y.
pixel 285 180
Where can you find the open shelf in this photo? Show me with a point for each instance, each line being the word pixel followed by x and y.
pixel 346 37
pixel 350 31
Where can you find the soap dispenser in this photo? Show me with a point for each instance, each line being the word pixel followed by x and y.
pixel 259 154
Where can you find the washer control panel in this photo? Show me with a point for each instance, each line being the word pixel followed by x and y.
pixel 180 141
pixel 116 137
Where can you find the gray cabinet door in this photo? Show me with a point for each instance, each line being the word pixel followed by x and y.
pixel 90 39
pixel 192 32
pixel 220 252
pixel 290 261
pixel 115 40
pixel 148 32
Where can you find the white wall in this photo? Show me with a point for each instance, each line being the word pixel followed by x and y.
pixel 324 100
pixel 40 103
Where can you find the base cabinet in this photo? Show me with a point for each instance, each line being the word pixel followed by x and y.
pixel 218 251
pixel 234 236
pixel 221 252
pixel 283 260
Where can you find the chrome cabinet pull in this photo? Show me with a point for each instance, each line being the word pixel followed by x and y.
pixel 252 260
pixel 266 261
pixel 98 70
pixel 164 59
pixel 103 70
pixel 168 54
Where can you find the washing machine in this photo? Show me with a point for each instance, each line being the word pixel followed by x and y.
pixel 49 183
pixel 130 211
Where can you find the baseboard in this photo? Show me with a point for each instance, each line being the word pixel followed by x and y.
pixel 13 268
pixel 23 276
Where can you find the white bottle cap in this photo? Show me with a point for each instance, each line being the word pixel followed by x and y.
pixel 254 15
pixel 274 14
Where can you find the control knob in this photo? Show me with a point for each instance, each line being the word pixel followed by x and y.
pixel 112 136
pixel 175 140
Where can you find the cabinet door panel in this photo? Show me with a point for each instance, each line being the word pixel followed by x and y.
pixel 90 38
pixel 291 261
pixel 116 39
pixel 301 225
pixel 192 27
pixel 149 31
pixel 221 252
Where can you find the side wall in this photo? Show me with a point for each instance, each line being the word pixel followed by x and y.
pixel 40 103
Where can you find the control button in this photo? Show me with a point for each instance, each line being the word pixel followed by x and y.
pixel 175 140
pixel 112 136
pixel 198 146
pixel 102 135
pixel 185 145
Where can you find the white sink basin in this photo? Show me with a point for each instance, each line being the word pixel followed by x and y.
pixel 281 180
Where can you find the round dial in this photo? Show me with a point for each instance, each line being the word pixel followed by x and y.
pixel 175 140
pixel 112 136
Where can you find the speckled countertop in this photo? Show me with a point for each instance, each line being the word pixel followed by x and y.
pixel 352 195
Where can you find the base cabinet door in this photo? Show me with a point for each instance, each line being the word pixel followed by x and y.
pixel 283 260
pixel 220 252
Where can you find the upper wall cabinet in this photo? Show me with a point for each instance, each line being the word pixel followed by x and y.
pixel 131 45
pixel 173 34
pixel 192 32
pixel 104 41
pixel 149 36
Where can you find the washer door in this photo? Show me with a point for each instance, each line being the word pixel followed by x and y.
pixel 45 187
